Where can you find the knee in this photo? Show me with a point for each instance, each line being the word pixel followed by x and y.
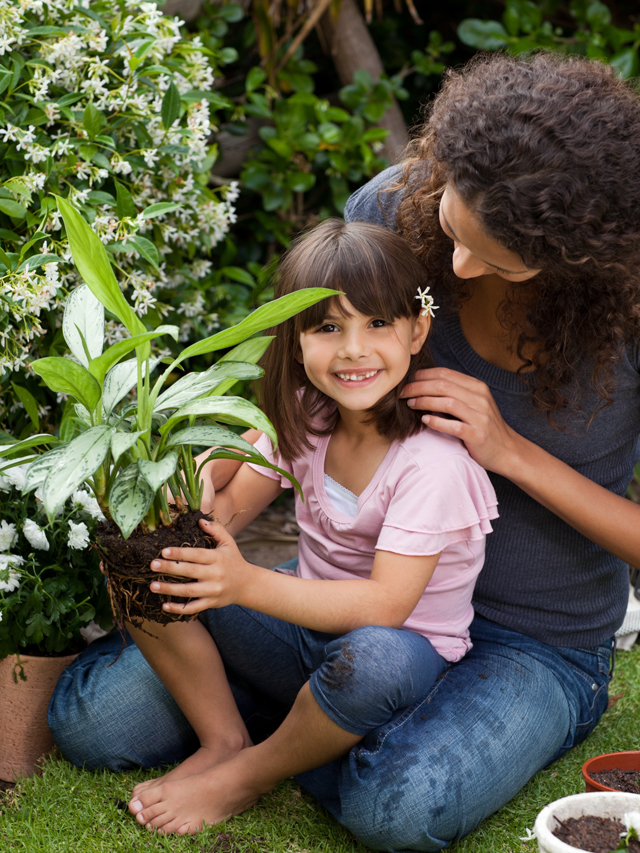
pixel 363 657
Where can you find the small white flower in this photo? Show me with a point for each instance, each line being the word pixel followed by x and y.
pixel 530 836
pixel 35 535
pixel 427 302
pixel 632 821
pixel 78 536
pixel 7 535
pixel 88 503
pixel 9 581
pixel 15 478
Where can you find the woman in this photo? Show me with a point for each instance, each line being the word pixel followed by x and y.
pixel 522 197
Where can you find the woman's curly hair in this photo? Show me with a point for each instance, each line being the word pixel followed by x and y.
pixel 545 150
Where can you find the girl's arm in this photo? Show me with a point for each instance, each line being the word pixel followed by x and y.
pixel 611 521
pixel 222 576
pixel 243 498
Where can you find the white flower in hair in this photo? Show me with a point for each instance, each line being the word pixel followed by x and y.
pixel 35 535
pixel 427 302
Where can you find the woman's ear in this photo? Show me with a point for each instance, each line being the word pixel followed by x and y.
pixel 420 331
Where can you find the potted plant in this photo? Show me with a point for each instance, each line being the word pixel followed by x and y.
pixel 50 588
pixel 134 449
pixel 613 771
pixel 602 822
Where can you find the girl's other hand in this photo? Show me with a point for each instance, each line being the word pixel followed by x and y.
pixel 479 424
pixel 219 574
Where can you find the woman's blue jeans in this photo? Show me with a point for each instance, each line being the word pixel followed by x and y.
pixel 427 777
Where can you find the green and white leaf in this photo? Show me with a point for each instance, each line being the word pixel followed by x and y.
pixel 41 467
pixel 83 314
pixel 129 499
pixel 80 460
pixel 249 351
pixel 120 380
pixel 83 414
pixel 195 385
pixel 229 410
pixel 157 473
pixel 210 436
pixel 67 377
pixel 124 441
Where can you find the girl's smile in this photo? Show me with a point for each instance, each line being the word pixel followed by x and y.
pixel 356 360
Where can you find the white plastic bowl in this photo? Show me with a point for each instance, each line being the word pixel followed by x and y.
pixel 599 803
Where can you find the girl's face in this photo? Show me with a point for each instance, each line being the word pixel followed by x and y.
pixel 356 360
pixel 475 253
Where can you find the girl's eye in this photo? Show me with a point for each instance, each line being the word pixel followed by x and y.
pixel 328 327
pixel 377 324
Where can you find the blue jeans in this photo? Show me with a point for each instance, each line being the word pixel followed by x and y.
pixel 427 777
pixel 360 680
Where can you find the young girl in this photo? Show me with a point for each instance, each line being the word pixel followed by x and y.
pixel 392 538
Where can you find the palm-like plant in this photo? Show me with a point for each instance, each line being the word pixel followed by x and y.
pixel 133 453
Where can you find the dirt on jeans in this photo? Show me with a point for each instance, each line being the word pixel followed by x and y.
pixel 126 563
pixel 595 834
pixel 620 780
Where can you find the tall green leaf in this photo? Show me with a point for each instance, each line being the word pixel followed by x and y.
pixel 262 318
pixel 92 261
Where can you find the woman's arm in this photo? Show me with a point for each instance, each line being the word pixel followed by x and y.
pixel 611 521
pixel 222 576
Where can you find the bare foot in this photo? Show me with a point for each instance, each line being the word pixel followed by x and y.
pixel 202 759
pixel 185 806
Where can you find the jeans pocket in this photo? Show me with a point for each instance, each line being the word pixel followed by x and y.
pixel 590 672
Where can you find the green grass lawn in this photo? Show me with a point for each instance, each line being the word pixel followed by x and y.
pixel 77 812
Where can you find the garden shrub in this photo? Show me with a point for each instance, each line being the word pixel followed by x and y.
pixel 110 105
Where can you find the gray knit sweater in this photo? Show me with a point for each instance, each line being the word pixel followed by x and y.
pixel 541 577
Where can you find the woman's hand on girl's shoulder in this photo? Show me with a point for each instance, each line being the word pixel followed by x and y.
pixel 219 575
pixel 473 415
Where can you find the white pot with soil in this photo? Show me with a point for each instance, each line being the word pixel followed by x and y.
pixel 568 814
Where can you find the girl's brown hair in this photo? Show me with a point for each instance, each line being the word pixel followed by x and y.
pixel 380 276
pixel 545 151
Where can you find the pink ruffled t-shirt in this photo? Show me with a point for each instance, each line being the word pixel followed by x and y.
pixel 428 496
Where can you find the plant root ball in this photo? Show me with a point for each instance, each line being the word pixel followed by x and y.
pixel 127 567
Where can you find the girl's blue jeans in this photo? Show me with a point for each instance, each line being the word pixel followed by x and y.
pixel 430 774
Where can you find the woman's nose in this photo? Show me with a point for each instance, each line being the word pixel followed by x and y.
pixel 466 264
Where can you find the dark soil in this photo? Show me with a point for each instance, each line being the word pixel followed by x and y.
pixel 596 834
pixel 620 780
pixel 126 563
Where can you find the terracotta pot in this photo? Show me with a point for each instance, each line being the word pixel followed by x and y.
pixel 602 804
pixel 610 761
pixel 23 712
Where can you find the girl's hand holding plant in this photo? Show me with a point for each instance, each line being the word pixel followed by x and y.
pixel 220 575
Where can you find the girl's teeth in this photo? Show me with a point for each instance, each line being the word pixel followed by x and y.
pixel 354 377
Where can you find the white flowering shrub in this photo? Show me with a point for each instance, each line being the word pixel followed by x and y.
pixel 50 581
pixel 111 105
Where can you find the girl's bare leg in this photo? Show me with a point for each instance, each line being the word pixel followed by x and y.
pixel 186 659
pixel 306 739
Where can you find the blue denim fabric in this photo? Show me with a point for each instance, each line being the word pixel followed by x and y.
pixel 360 680
pixel 429 776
